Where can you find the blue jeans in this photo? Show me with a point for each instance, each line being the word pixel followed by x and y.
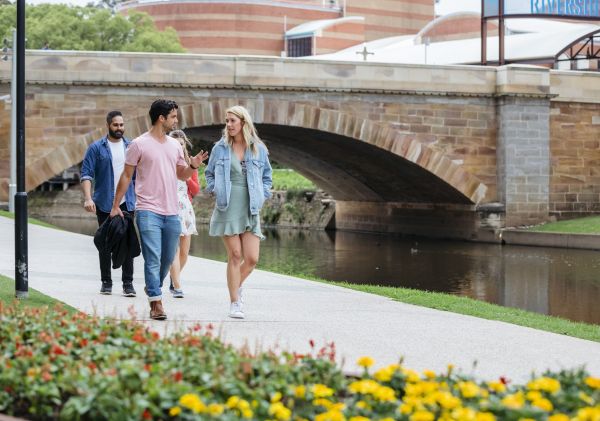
pixel 159 236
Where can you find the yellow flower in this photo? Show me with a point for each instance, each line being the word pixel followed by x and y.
pixel 405 409
pixel 193 402
pixel 243 404
pixel 247 413
pixel 468 389
pixel 593 382
pixel 322 402
pixel 534 395
pixel 232 402
pixel 514 401
pixel 276 397
pixel 363 386
pixel 385 394
pixel 558 417
pixel 331 415
pixel 280 412
pixel 485 416
pixel 545 384
pixel 362 405
pixel 359 418
pixel 422 416
pixel 365 362
pixel 463 414
pixel 543 404
pixel 300 391
pixel 321 391
pixel 429 374
pixel 447 400
pixel 526 419
pixel 411 375
pixel 215 409
pixel 174 411
pixel 497 387
pixel 384 374
pixel 387 419
pixel 588 414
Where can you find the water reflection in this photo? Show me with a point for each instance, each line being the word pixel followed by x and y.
pixel 559 282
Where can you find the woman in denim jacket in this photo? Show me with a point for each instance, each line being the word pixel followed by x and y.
pixel 239 175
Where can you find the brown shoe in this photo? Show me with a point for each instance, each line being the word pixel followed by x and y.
pixel 157 312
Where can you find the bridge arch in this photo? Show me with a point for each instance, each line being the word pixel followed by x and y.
pixel 350 157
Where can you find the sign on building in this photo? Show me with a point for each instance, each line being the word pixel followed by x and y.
pixel 579 9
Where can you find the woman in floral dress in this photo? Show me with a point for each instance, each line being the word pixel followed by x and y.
pixel 186 190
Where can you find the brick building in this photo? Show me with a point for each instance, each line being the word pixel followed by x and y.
pixel 283 27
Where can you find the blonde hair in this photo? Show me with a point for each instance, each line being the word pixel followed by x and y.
pixel 180 136
pixel 249 132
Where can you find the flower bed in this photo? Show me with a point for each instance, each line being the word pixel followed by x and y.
pixel 73 367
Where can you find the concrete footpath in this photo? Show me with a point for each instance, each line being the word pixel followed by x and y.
pixel 283 312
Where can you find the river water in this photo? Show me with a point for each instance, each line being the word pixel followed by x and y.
pixel 559 282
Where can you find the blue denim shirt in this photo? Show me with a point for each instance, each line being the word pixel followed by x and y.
pixel 258 174
pixel 97 166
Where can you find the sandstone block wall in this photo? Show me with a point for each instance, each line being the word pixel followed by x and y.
pixel 575 159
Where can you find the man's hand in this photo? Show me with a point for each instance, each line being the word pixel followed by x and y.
pixel 116 212
pixel 196 161
pixel 89 205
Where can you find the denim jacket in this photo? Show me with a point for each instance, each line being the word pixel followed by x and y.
pixel 97 166
pixel 258 174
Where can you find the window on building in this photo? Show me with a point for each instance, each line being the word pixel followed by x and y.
pixel 300 47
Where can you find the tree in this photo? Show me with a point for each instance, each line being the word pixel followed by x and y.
pixel 89 28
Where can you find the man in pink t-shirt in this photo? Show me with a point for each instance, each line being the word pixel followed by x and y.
pixel 159 162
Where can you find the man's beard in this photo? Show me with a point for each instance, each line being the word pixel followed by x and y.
pixel 116 134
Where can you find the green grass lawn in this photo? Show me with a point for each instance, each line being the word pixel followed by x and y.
pixel 587 225
pixel 35 299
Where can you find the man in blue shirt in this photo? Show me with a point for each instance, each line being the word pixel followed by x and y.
pixel 103 164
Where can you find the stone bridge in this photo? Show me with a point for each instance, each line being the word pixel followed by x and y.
pixel 435 150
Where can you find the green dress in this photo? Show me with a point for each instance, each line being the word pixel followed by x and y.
pixel 236 219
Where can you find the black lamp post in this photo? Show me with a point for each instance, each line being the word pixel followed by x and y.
pixel 21 261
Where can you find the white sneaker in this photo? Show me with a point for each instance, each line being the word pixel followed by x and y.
pixel 235 310
pixel 240 296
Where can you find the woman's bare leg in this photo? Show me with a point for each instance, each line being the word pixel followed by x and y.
pixel 175 271
pixel 233 245
pixel 184 250
pixel 250 252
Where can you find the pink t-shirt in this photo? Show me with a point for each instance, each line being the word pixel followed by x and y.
pixel 156 173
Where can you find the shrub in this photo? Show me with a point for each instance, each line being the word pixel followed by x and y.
pixel 73 367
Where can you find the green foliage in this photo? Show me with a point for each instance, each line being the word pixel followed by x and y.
pixel 56 365
pixel 285 179
pixel 89 29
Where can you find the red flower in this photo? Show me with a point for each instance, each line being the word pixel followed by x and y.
pixel 83 343
pixel 311 343
pixel 92 366
pixel 504 380
pixel 147 367
pixel 155 335
pixel 147 415
pixel 46 376
pixel 57 350
pixel 178 376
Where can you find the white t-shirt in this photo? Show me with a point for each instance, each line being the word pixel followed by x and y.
pixel 117 150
